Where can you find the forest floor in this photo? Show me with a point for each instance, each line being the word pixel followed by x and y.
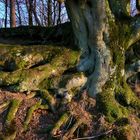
pixel 43 120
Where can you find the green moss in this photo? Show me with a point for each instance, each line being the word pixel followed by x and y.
pixel 15 103
pixel 63 119
pixel 57 59
pixel 48 97
pixel 121 5
pixel 4 104
pixel 127 97
pixel 107 104
pixel 30 114
pixel 126 133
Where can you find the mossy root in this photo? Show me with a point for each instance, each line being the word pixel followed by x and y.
pixel 49 98
pixel 63 119
pixel 4 104
pixel 10 137
pixel 14 105
pixel 70 132
pixel 30 114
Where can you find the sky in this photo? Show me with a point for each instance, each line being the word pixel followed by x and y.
pixel 1 14
pixel 1 10
pixel 133 10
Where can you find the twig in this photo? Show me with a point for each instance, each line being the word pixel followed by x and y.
pixel 92 137
pixel 70 122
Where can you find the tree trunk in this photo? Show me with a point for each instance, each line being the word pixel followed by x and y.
pixel 54 12
pixel 30 12
pixel 19 13
pixel 6 5
pixel 35 14
pixel 104 31
pixel 12 14
pixel 49 12
pixel 29 5
pixel 59 13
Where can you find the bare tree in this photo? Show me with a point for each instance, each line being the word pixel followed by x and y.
pixel 59 13
pixel 29 5
pixel 19 12
pixel 6 5
pixel 49 12
pixel 12 14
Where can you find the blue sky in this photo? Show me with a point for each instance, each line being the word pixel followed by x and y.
pixel 1 10
pixel 2 15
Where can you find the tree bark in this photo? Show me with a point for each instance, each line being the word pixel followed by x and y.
pixel 12 14
pixel 104 30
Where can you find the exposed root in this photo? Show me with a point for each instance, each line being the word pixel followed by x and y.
pixel 63 119
pixel 127 96
pixel 9 137
pixel 49 98
pixel 4 104
pixel 70 132
pixel 14 105
pixel 31 95
pixel 30 114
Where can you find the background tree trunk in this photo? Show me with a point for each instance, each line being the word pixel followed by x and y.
pixel 35 14
pixel 49 12
pixel 59 13
pixel 12 14
pixel 6 5
pixel 30 12
pixel 19 13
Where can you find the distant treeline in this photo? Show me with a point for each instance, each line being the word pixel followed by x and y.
pixel 32 12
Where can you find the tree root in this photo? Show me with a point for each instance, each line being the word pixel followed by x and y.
pixel 63 119
pixel 14 105
pixel 9 137
pixel 49 98
pixel 70 132
pixel 127 97
pixel 4 105
pixel 31 79
pixel 31 95
pixel 30 113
